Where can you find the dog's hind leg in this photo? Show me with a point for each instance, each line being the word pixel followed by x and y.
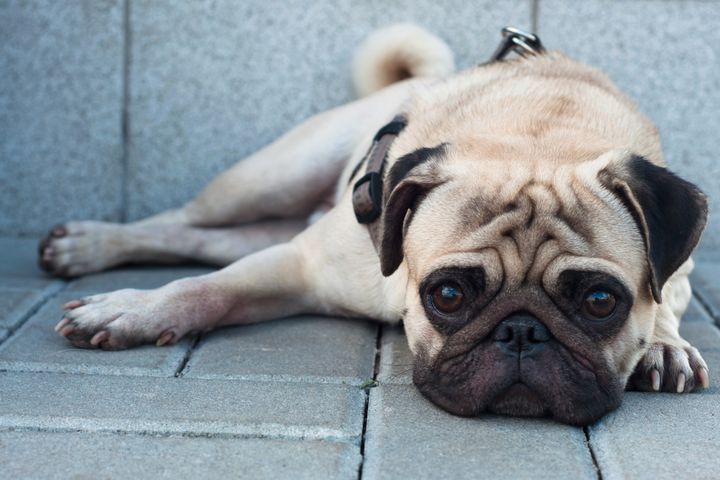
pixel 288 179
pixel 78 248
pixel 293 175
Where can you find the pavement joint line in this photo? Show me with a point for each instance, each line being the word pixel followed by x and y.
pixel 102 370
pixel 188 429
pixel 125 112
pixel 179 372
pixel 589 445
pixel 330 380
pixel 366 408
pixel 105 370
pixel 47 293
pixel 706 305
pixel 146 434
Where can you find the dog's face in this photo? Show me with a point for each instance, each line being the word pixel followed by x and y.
pixel 533 286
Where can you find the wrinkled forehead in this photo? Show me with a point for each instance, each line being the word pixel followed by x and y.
pixel 523 216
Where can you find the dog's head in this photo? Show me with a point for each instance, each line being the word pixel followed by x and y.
pixel 533 285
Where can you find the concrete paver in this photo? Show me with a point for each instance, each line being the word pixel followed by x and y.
pixel 18 265
pixel 408 437
pixel 52 401
pixel 36 347
pixel 396 361
pixel 706 283
pixel 16 303
pixel 659 436
pixel 102 455
pixel 308 347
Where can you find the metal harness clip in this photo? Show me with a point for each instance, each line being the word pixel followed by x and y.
pixel 518 41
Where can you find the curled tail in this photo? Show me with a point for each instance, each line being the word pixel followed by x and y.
pixel 398 52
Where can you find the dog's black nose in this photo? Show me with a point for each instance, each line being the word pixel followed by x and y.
pixel 521 335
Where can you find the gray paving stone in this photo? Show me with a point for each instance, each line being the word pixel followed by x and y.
pixel 18 264
pixel 3 334
pixel 396 361
pixel 96 455
pixel 143 277
pixel 663 54
pixel 408 437
pixel 696 313
pixel 706 284
pixel 703 336
pixel 60 112
pixel 213 82
pixel 659 436
pixel 36 347
pixel 52 401
pixel 299 348
pixel 15 303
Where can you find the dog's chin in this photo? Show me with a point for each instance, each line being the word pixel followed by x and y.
pixel 520 401
pixel 552 385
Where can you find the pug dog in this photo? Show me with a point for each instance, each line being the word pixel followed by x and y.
pixel 517 217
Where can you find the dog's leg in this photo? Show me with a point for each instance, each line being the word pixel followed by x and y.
pixel 77 248
pixel 287 179
pixel 672 364
pixel 264 285
pixel 299 276
pixel 297 172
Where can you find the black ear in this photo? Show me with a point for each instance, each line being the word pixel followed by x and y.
pixel 405 197
pixel 670 212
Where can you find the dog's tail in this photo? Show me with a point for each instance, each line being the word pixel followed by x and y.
pixel 398 52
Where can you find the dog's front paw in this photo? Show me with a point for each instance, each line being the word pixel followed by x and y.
pixel 671 368
pixel 129 317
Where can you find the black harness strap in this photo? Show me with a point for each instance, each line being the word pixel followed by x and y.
pixel 368 190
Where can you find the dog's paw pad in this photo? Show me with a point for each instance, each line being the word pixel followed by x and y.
pixel 670 368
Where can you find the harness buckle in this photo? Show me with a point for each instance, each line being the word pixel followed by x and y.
pixel 518 41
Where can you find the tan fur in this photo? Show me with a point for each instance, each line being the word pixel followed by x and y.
pixel 519 194
pixel 396 53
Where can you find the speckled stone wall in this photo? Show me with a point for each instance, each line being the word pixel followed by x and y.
pixel 61 100
pixel 204 83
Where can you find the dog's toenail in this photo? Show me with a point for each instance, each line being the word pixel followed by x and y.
pixel 164 339
pixel 99 337
pixel 72 304
pixel 681 383
pixel 655 378
pixel 66 330
pixel 61 324
pixel 704 377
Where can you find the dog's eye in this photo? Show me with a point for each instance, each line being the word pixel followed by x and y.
pixel 599 304
pixel 447 297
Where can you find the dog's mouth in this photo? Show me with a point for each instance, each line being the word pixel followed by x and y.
pixel 554 382
pixel 518 400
